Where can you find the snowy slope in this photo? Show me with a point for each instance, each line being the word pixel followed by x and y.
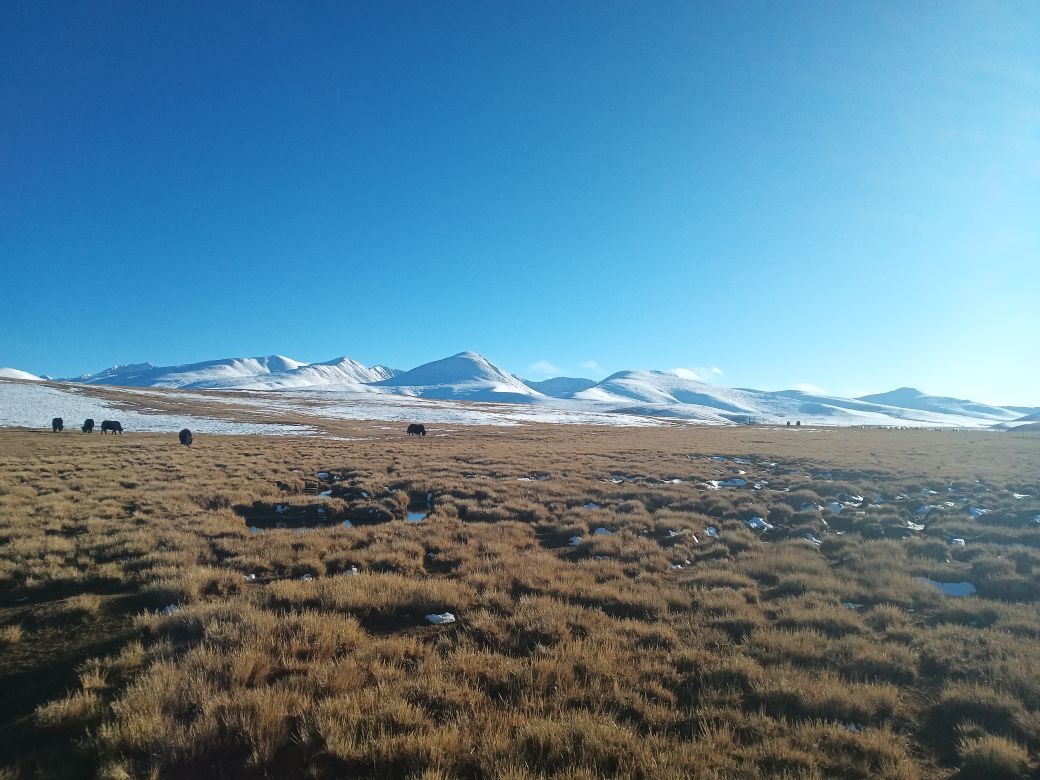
pixel 341 373
pixel 467 376
pixel 15 373
pixel 650 392
pixel 210 371
pixel 911 398
pixel 24 405
pixel 560 386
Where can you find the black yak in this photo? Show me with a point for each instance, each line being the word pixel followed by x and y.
pixel 185 436
pixel 111 425
pixel 416 430
pixel 57 425
pixel 88 425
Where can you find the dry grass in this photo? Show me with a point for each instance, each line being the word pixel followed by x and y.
pixel 148 631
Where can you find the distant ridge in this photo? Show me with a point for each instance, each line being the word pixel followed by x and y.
pixel 561 386
pixel 16 373
pixel 468 376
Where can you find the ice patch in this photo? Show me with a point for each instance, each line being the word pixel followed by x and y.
pixel 576 540
pixel 758 524
pixel 958 589
pixel 957 542
pixel 602 532
pixel 591 505
pixel 712 531
pixel 835 507
pixel 442 619
pixel 732 482
pixel 811 539
pixel 417 517
pixel 914 526
pixel 975 512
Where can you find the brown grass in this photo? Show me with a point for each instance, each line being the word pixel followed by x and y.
pixel 147 631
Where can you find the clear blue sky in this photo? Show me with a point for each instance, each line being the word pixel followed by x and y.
pixel 838 194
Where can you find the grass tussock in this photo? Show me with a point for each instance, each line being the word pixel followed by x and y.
pixel 615 615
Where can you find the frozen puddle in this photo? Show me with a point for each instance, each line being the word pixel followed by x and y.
pixel 758 524
pixel 417 517
pixel 957 589
pixel 732 482
pixel 442 619
pixel 592 505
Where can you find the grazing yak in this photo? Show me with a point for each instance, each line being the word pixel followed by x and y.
pixel 416 430
pixel 111 425
pixel 57 425
pixel 88 425
pixel 185 436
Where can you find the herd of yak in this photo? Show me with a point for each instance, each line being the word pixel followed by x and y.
pixel 114 426
pixel 58 425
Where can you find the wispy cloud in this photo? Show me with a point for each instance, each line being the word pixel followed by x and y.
pixel 698 374
pixel 805 387
pixel 544 368
pixel 685 373
pixel 595 368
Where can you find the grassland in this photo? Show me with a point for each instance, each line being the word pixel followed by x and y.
pixel 147 630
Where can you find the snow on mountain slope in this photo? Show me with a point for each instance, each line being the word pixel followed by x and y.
pixel 560 386
pixel 339 374
pixel 911 398
pixel 661 387
pixel 16 373
pixel 671 395
pixel 227 369
pixel 467 376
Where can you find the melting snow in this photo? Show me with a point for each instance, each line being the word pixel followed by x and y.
pixel 442 619
pixel 951 588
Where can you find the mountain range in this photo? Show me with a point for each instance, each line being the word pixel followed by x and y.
pixel 468 376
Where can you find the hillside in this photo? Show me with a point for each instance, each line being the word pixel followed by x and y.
pixel 465 376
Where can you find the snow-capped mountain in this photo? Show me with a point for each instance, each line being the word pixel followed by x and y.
pixel 207 373
pixel 339 374
pixel 273 372
pixel 560 386
pixel 671 395
pixel 911 398
pixel 465 376
pixel 16 373
pixel 468 376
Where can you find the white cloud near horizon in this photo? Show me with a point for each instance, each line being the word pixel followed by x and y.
pixel 805 387
pixel 594 367
pixel 697 374
pixel 544 368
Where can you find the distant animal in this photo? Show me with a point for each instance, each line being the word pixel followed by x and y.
pixel 57 425
pixel 185 436
pixel 111 425
pixel 88 425
pixel 416 430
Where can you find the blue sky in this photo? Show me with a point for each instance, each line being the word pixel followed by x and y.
pixel 844 195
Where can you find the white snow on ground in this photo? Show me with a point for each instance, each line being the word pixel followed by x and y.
pixel 25 405
pixel 15 373
pixel 328 404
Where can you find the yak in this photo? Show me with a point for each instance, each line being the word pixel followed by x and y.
pixel 111 425
pixel 185 437
pixel 57 425
pixel 416 430
pixel 88 425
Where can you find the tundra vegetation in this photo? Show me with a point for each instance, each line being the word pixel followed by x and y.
pixel 255 607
